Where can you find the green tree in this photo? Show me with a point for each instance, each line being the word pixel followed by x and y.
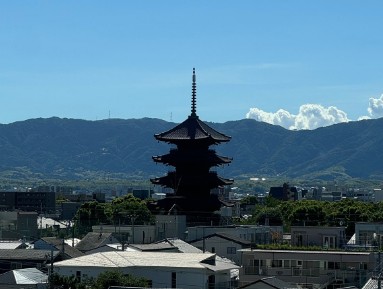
pixel 117 278
pixel 272 215
pixel 128 209
pixel 310 213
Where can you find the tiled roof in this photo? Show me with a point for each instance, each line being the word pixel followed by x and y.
pixel 192 129
pixel 153 247
pixel 92 241
pixel 181 245
pixel 228 237
pixel 371 284
pixel 25 254
pixel 272 282
pixel 121 259
pixel 58 243
pixel 175 156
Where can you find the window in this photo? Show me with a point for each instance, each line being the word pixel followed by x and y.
pixel 333 265
pixel 329 241
pixel 276 263
pixel 16 265
pixel 286 263
pixel 213 249
pixel 78 276
pixel 231 250
pixel 174 280
pixel 211 282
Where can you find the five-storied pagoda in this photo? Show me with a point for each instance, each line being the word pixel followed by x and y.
pixel 192 180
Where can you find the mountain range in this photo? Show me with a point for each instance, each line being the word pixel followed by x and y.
pixel 72 148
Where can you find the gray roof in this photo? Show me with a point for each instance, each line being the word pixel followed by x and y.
pixel 371 284
pixel 25 254
pixel 58 244
pixel 271 281
pixel 123 259
pixel 93 240
pixel 26 276
pixel 153 247
pixel 181 245
pixel 228 237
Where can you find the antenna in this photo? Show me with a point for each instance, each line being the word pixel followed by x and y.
pixel 194 96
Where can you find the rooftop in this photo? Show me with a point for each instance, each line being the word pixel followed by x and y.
pixel 120 259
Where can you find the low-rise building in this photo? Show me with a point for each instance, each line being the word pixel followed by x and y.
pixel 93 240
pixel 369 234
pixel 320 236
pixel 252 233
pixel 310 268
pixel 224 245
pixel 28 278
pixel 162 269
pixel 17 225
pixel 57 244
pixel 25 258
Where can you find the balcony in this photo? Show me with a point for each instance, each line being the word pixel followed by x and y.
pixel 310 275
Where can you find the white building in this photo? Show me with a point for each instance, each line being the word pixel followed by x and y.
pixel 224 245
pixel 253 233
pixel 163 270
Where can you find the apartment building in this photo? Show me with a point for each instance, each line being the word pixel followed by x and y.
pixel 308 268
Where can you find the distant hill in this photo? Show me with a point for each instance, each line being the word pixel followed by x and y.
pixel 70 148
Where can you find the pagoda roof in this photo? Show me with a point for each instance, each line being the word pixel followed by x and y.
pixel 213 180
pixel 175 157
pixel 192 129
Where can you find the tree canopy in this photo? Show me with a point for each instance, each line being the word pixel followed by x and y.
pixel 103 280
pixel 317 213
pixel 125 210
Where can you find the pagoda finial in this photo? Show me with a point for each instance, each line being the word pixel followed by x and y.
pixel 194 88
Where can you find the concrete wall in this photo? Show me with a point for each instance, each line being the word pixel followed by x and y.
pixel 222 247
pixel 160 277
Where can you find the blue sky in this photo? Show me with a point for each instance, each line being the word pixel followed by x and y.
pixel 276 61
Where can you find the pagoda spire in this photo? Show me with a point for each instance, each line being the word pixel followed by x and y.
pixel 194 96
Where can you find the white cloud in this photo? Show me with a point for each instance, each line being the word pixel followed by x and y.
pixel 364 117
pixel 375 107
pixel 310 116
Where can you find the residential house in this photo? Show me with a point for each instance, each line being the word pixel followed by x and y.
pixel 57 244
pixel 94 240
pixel 162 269
pixel 253 233
pixel 154 247
pixel 224 245
pixel 320 236
pixel 316 268
pixel 28 278
pixel 138 234
pixel 25 258
pixel 268 283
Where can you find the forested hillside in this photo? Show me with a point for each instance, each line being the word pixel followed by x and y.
pixel 71 148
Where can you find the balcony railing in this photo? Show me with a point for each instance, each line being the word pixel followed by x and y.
pixel 311 275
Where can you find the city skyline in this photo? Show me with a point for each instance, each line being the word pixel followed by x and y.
pixel 297 64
